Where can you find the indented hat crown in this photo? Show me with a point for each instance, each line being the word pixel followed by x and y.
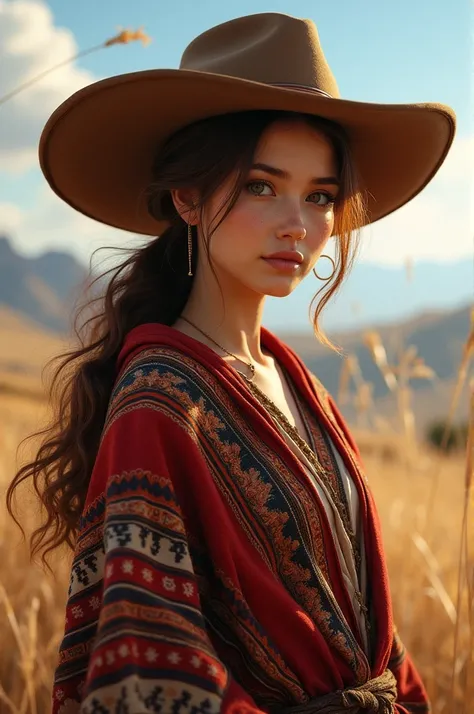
pixel 256 48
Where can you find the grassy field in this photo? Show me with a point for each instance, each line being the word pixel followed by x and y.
pixel 422 543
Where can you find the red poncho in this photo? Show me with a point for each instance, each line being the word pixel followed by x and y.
pixel 205 575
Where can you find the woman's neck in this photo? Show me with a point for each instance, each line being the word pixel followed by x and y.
pixel 233 320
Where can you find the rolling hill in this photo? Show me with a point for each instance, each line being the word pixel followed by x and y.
pixel 44 288
pixel 438 336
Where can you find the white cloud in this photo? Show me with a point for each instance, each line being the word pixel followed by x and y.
pixel 50 224
pixel 436 225
pixel 30 45
pixel 10 218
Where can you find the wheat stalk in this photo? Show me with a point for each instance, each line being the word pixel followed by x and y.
pixel 432 570
pixel 373 342
pixel 466 358
pixel 464 565
pixel 124 37
pixel 362 398
pixel 397 379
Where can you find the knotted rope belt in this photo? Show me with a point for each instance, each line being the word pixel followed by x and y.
pixel 377 696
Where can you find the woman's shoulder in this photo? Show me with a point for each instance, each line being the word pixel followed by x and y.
pixel 163 382
pixel 153 420
pixel 157 371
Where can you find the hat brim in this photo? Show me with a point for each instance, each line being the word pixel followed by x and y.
pixel 96 149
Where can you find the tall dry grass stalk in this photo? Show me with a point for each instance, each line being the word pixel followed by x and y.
pixel 466 569
pixel 457 603
pixel 398 378
pixel 123 37
pixel 31 600
pixel 463 370
pixel 361 398
pixel 354 389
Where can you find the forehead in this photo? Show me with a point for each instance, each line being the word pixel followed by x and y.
pixel 295 140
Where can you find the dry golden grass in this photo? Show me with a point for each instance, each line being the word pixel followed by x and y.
pixel 24 343
pixel 432 609
pixel 31 601
pixel 423 550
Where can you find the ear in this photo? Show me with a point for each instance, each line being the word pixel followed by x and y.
pixel 185 201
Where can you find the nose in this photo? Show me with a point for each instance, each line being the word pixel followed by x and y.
pixel 292 228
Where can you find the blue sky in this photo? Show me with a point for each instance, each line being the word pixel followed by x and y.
pixel 404 51
pixel 408 51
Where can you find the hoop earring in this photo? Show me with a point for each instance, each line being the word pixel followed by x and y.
pixel 333 269
pixel 190 249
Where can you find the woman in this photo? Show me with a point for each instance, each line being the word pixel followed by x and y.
pixel 227 552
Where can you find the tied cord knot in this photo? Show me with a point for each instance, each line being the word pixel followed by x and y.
pixel 377 696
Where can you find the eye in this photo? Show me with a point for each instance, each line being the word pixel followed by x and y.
pixel 257 188
pixel 323 199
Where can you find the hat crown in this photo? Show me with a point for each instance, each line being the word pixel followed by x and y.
pixel 271 48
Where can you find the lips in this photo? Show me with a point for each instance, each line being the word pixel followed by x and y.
pixel 292 256
pixel 285 261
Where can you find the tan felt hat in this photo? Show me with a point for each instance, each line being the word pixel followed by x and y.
pixel 97 148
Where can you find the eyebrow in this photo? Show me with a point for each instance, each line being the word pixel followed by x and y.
pixel 281 173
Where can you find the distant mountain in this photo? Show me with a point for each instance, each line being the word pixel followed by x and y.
pixel 439 337
pixel 44 288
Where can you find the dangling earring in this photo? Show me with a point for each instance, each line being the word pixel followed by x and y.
pixel 333 269
pixel 190 249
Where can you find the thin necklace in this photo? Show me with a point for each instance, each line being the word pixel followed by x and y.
pixel 231 354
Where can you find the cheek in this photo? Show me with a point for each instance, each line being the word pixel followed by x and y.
pixel 330 221
pixel 329 217
pixel 322 227
pixel 240 230
pixel 233 240
pixel 243 214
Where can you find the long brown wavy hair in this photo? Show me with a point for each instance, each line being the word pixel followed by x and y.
pixel 152 285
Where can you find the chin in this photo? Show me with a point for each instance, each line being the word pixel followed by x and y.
pixel 280 290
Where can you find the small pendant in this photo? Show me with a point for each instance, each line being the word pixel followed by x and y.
pixel 252 372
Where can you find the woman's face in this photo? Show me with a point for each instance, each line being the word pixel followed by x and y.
pixel 287 205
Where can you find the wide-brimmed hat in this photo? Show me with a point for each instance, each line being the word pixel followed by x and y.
pixel 97 148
